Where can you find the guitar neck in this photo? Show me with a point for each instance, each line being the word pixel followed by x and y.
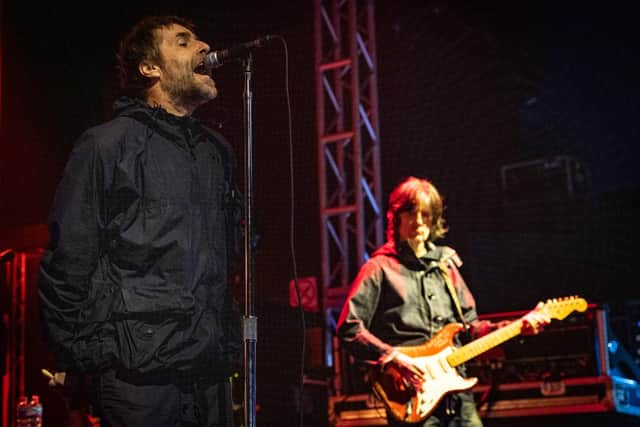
pixel 487 342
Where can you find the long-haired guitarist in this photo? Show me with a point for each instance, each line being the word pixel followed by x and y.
pixel 402 297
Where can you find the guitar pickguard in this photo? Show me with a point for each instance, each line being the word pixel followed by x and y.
pixel 441 378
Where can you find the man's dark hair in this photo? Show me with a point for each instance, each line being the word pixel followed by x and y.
pixel 139 44
pixel 404 198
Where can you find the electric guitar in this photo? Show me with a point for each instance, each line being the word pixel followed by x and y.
pixel 438 359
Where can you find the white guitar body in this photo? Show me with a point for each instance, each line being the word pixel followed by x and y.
pixel 441 378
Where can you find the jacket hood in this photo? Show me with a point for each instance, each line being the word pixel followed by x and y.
pixel 403 252
pixel 176 128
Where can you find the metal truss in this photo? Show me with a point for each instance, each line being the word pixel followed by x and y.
pixel 348 147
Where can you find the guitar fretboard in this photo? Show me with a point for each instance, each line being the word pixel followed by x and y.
pixel 487 342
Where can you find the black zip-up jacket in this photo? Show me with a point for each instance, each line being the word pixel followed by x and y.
pixel 400 300
pixel 142 228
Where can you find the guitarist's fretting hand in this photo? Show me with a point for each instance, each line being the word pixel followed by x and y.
pixel 534 321
pixel 411 373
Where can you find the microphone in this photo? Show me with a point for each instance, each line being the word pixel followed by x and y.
pixel 6 255
pixel 218 58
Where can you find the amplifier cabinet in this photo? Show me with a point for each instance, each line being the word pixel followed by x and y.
pixel 571 367
pixel 574 347
pixel 572 395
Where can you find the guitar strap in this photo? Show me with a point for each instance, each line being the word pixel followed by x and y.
pixel 444 269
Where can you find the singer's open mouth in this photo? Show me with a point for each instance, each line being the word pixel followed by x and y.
pixel 201 68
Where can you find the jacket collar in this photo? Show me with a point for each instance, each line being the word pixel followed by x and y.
pixel 403 252
pixel 176 128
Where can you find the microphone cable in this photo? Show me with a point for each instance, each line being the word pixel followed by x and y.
pixel 292 232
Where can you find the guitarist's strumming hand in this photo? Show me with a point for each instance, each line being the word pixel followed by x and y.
pixel 534 321
pixel 412 374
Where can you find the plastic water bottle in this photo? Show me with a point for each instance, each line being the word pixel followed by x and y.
pixel 36 411
pixel 23 412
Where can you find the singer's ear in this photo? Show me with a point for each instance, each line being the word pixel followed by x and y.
pixel 148 69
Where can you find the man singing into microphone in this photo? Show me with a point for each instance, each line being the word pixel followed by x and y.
pixel 133 287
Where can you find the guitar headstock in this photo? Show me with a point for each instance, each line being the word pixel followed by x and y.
pixel 559 308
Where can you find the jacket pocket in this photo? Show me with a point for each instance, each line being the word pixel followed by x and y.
pixel 101 301
pixel 156 299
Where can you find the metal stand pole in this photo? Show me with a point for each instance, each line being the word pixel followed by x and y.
pixel 250 329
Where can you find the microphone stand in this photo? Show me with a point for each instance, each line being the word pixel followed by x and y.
pixel 249 321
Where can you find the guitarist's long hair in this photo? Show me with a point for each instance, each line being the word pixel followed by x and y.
pixel 404 198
